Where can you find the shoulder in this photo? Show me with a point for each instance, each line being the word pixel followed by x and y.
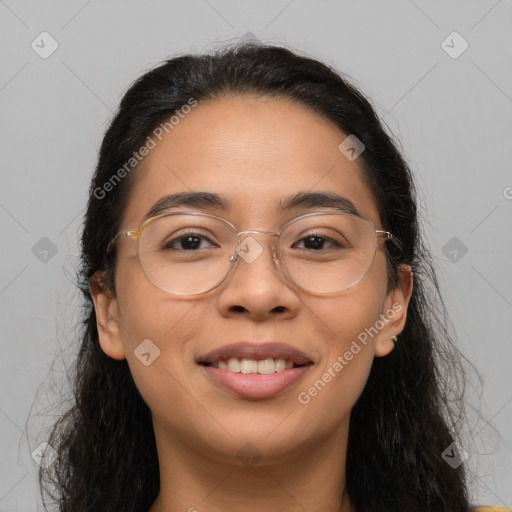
pixel 487 508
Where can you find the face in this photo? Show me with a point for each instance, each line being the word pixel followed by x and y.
pixel 255 152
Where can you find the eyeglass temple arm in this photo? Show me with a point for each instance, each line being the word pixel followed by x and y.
pixel 384 234
pixel 125 234
pixel 389 236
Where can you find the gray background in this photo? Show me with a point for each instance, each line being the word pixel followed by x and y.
pixel 451 115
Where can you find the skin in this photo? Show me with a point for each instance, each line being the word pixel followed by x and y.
pixel 255 151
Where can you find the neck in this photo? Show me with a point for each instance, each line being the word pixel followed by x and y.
pixel 311 479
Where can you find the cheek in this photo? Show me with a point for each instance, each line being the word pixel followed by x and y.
pixel 351 314
pixel 332 391
pixel 346 326
pixel 155 330
pixel 147 312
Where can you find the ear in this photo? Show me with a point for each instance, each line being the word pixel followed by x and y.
pixel 394 313
pixel 107 318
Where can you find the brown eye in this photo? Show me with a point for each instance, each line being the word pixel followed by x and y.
pixel 316 242
pixel 188 242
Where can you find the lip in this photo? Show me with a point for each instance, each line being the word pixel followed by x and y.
pixel 256 385
pixel 256 351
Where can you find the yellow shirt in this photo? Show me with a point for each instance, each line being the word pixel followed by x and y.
pixel 492 509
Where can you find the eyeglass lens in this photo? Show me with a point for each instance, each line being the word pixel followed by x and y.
pixel 190 254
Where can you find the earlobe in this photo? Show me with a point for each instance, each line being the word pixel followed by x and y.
pixel 395 313
pixel 107 318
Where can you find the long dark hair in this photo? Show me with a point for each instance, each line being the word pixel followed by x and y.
pixel 410 409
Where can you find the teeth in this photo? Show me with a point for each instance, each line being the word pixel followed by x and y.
pixel 266 366
pixel 246 366
pixel 233 364
pixel 280 365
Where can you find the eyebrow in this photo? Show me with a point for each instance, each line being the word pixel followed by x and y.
pixel 209 200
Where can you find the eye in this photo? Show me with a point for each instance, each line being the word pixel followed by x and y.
pixel 186 242
pixel 317 242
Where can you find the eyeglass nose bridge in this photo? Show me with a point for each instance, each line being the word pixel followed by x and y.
pixel 250 251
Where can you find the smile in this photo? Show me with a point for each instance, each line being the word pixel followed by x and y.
pixel 265 366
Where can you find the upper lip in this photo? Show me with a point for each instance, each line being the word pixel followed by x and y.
pixel 256 351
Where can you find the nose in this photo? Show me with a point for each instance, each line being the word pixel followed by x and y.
pixel 256 285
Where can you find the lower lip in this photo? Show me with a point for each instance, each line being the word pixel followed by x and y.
pixel 256 385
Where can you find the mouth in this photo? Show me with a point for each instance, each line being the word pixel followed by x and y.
pixel 246 366
pixel 254 370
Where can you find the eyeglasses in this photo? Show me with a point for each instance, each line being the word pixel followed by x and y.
pixel 188 253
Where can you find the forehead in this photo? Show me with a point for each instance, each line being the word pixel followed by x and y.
pixel 254 151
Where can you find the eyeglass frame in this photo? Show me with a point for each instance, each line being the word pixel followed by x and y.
pixel 136 233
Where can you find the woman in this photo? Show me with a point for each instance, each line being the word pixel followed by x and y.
pixel 263 325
